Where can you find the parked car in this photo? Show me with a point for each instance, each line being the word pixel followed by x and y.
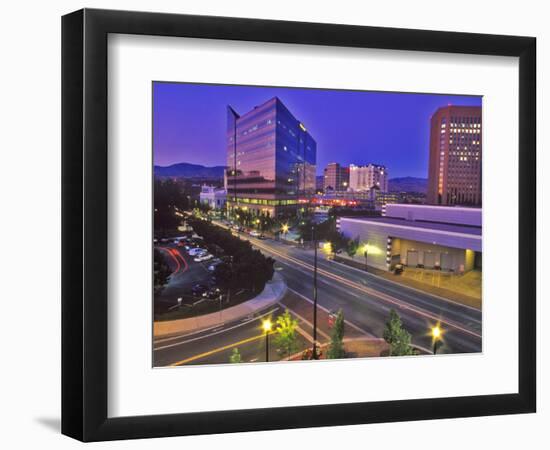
pixel 212 294
pixel 213 265
pixel 398 269
pixel 255 233
pixel 198 289
pixel 202 258
pixel 262 237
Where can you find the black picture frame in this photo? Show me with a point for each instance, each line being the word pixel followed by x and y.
pixel 84 224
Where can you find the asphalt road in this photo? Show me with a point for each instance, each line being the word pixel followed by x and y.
pixel 364 298
pixel 214 346
pixel 367 299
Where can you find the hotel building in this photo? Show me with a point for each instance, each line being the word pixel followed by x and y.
pixel 454 174
pixel 364 178
pixel 336 178
pixel 271 160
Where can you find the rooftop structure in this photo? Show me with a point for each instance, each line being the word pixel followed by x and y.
pixel 432 237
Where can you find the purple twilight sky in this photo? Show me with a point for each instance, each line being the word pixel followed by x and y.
pixel 392 129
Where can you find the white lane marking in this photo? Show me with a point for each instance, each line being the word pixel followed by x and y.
pixel 406 287
pixel 179 336
pixel 387 298
pixel 352 325
pixel 215 333
pixel 379 294
pixel 303 319
pixel 305 334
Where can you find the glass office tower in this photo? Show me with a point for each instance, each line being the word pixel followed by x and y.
pixel 270 158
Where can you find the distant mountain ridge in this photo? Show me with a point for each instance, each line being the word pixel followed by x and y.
pixel 187 170
pixel 408 184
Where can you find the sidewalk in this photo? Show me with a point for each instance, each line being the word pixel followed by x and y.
pixel 273 292
pixel 458 288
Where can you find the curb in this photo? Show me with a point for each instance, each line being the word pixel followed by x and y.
pixel 191 325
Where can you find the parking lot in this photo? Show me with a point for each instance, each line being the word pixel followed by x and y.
pixel 191 277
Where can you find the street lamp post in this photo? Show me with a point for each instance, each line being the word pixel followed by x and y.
pixel 366 259
pixel 230 281
pixel 436 336
pixel 314 236
pixel 285 230
pixel 266 325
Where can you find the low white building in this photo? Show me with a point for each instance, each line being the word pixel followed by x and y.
pixel 431 237
pixel 213 197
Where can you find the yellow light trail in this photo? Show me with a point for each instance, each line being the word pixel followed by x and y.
pixel 216 350
pixel 366 290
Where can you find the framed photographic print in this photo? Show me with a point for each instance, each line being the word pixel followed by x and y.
pixel 274 224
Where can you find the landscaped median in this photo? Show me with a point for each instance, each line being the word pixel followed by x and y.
pixel 272 293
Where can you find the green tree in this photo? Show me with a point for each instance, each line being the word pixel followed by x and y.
pixel 397 337
pixel 336 347
pixel 286 337
pixel 353 246
pixel 169 196
pixel 323 230
pixel 204 208
pixel 337 241
pixel 161 272
pixel 235 356
pixel 249 270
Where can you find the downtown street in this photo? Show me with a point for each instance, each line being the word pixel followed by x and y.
pixel 365 299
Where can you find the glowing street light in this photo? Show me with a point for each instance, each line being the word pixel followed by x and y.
pixel 285 228
pixel 267 325
pixel 436 337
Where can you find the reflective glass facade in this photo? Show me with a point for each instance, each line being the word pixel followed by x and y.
pixel 270 158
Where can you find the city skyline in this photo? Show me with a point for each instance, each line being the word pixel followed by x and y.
pixel 267 268
pixel 361 127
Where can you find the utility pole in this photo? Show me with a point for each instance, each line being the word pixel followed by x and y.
pixel 230 281
pixel 314 237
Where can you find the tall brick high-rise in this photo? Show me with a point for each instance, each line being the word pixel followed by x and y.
pixel 454 174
